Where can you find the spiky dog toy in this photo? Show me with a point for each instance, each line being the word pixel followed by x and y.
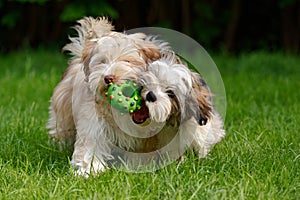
pixel 125 97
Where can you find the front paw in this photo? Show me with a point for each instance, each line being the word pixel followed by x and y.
pixel 85 170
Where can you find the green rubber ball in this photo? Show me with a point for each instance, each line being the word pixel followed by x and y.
pixel 125 97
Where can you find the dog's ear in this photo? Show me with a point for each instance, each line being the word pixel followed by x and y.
pixel 203 99
pixel 88 30
pixel 87 53
pixel 149 51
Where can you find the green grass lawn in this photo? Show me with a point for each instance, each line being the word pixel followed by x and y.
pixel 258 159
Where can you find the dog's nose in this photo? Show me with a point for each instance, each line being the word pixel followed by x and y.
pixel 109 79
pixel 151 97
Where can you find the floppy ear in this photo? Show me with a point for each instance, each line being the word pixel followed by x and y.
pixel 148 50
pixel 203 98
pixel 88 29
pixel 87 53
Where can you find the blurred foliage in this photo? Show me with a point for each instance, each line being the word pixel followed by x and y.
pixel 9 19
pixel 32 1
pixel 78 8
pixel 286 3
pixel 74 10
pixel 221 25
pixel 210 26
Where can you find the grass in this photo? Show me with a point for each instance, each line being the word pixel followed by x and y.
pixel 258 159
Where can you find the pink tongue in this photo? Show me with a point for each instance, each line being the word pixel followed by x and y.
pixel 141 115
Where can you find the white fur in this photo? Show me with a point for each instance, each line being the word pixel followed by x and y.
pixel 80 112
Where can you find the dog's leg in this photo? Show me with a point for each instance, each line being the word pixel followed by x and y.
pixel 85 160
pixel 207 135
pixel 88 157
pixel 61 124
pixel 62 129
pixel 91 149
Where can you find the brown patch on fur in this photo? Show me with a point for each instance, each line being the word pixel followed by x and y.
pixel 151 53
pixel 202 96
pixel 204 105
pixel 86 56
pixel 149 144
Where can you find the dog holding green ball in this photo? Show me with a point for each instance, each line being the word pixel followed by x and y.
pixel 129 98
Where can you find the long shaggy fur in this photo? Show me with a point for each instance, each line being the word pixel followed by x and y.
pixel 81 115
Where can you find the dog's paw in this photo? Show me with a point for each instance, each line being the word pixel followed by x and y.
pixel 82 172
pixel 93 169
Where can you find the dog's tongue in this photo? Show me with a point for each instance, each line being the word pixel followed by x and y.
pixel 141 115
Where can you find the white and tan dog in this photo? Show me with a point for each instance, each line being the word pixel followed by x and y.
pixel 176 101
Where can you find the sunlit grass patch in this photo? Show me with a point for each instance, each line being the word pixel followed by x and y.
pixel 258 159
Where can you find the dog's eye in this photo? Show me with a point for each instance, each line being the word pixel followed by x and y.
pixel 170 93
pixel 103 60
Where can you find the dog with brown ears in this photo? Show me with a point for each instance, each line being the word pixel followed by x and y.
pixel 176 102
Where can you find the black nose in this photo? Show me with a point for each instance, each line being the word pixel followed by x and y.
pixel 109 79
pixel 151 97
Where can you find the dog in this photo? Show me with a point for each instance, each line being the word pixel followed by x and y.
pixel 176 111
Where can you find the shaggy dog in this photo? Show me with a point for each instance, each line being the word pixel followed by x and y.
pixel 176 110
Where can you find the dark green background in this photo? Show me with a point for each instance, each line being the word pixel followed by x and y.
pixel 219 25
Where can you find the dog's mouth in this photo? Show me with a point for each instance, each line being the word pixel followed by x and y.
pixel 141 115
